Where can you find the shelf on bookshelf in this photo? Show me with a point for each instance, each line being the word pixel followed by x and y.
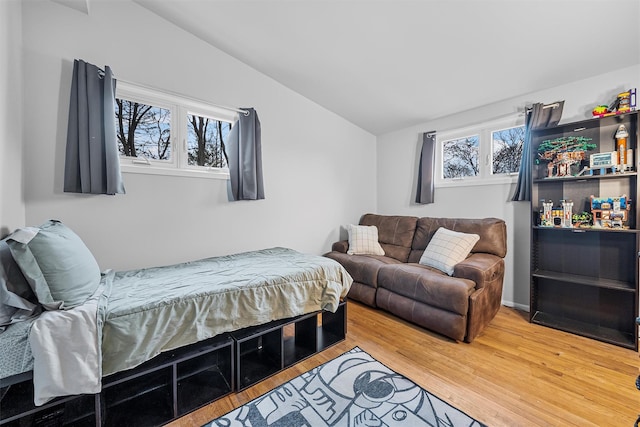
pixel 610 335
pixel 585 280
pixel 587 177
pixel 586 229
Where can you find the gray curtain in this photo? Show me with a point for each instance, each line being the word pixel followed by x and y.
pixel 244 151
pixel 424 193
pixel 537 117
pixel 92 163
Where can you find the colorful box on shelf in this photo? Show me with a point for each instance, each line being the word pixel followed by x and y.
pixel 626 102
pixel 610 212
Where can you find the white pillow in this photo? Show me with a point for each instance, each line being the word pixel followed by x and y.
pixel 363 240
pixel 447 248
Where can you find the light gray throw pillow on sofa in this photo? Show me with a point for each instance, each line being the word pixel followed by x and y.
pixel 58 265
pixel 448 248
pixel 363 240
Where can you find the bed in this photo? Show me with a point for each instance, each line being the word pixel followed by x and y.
pixel 130 317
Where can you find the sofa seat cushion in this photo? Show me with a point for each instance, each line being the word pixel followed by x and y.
pixel 363 268
pixel 364 293
pixel 428 286
pixel 452 325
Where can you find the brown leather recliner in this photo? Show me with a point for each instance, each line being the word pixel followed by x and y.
pixel 458 306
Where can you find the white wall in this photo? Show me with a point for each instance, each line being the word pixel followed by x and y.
pixel 318 168
pixel 398 155
pixel 12 208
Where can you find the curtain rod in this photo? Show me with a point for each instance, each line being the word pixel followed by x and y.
pixel 544 107
pixel 504 116
pixel 168 92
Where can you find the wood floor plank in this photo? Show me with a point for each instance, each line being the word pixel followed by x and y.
pixel 514 374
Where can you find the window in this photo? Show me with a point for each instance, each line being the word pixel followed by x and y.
pixel 461 157
pixel 143 130
pixel 205 141
pixel 161 133
pixel 481 154
pixel 506 150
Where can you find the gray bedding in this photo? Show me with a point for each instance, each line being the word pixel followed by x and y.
pixel 152 310
pixel 15 351
pixel 158 309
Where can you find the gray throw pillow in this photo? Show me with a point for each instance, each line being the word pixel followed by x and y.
pixel 57 264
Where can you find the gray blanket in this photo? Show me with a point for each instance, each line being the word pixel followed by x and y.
pixel 144 312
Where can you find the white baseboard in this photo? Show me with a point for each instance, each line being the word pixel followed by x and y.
pixel 521 307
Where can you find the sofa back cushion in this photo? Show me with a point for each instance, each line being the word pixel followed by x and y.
pixel 395 233
pixel 492 232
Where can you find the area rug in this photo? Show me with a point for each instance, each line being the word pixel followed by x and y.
pixel 352 390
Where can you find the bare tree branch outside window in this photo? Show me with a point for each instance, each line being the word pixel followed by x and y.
pixel 143 130
pixel 205 142
pixel 461 157
pixel 507 149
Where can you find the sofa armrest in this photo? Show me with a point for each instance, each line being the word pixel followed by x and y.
pixel 487 271
pixel 341 246
pixel 481 268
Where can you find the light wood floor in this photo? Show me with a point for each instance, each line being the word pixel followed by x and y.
pixel 514 374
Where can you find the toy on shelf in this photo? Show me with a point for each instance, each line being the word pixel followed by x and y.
pixel 602 162
pixel 612 162
pixel 600 110
pixel 610 212
pixel 546 219
pixel 606 212
pixel 583 219
pixel 625 101
pixel 567 213
pixel 558 216
pixel 624 154
pixel 564 155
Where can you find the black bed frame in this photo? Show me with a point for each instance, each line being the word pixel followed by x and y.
pixel 177 382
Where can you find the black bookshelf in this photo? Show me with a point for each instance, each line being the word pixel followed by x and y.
pixel 584 279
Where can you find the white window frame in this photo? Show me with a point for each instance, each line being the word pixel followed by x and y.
pixel 180 107
pixel 469 180
pixel 483 130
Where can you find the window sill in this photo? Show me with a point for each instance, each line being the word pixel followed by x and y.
pixel 192 173
pixel 476 182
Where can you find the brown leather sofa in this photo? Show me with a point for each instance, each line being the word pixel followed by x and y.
pixel 458 306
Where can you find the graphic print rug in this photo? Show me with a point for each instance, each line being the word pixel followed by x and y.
pixel 352 390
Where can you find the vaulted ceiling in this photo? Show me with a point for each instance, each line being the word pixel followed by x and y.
pixel 388 64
